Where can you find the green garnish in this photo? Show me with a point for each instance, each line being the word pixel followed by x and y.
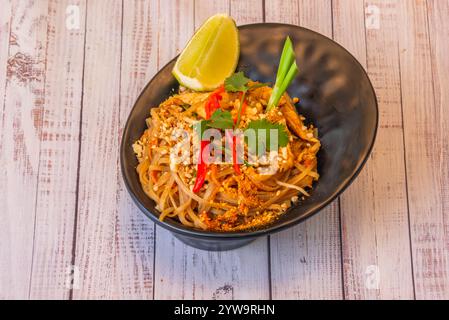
pixel 199 127
pixel 239 83
pixel 287 71
pixel 220 120
pixel 262 130
pixel 236 82
pixel 246 163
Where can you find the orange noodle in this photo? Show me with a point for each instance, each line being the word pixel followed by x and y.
pixel 232 196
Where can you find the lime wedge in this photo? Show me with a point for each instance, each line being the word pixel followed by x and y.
pixel 210 56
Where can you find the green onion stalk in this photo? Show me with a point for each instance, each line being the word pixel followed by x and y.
pixel 287 71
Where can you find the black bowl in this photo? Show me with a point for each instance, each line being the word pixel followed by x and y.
pixel 335 95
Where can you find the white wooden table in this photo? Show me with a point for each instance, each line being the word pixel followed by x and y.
pixel 70 71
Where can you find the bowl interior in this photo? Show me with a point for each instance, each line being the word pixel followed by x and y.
pixel 335 95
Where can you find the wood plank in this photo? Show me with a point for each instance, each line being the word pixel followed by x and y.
pixel 96 252
pixel 426 122
pixel 179 28
pixel 438 12
pixel 305 260
pixel 246 12
pixel 183 272
pixel 316 15
pixel 5 23
pixel 374 217
pixel 282 11
pixel 204 9
pixel 135 232
pixel 110 228
pixel 5 19
pixel 391 215
pixel 58 161
pixel 21 125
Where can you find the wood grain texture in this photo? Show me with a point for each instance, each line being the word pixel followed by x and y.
pixel 122 237
pixel 282 11
pixel 58 157
pixel 424 94
pixel 391 215
pixel 316 16
pixel 245 12
pixel 5 19
pixel 183 272
pixel 64 99
pixel 96 252
pixel 21 126
pixel 438 12
pixel 388 158
pixel 179 28
pixel 5 23
pixel 134 231
pixel 376 251
pixel 203 9
pixel 306 260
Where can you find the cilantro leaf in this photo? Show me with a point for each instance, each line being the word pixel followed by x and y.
pixel 239 83
pixel 262 129
pixel 236 82
pixel 246 163
pixel 221 120
pixel 199 127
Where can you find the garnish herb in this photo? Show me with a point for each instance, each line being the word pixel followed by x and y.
pixel 246 163
pixel 220 120
pixel 239 83
pixel 263 129
pixel 287 71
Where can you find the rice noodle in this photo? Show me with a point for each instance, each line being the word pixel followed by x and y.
pixel 292 186
pixel 227 201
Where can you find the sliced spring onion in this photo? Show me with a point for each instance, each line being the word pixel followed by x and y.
pixel 292 72
pixel 287 71
pixel 287 58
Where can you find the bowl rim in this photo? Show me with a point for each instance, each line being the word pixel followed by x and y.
pixel 272 227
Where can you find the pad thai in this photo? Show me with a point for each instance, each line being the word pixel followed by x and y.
pixel 260 159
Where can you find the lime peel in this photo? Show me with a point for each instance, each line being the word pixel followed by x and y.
pixel 210 56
